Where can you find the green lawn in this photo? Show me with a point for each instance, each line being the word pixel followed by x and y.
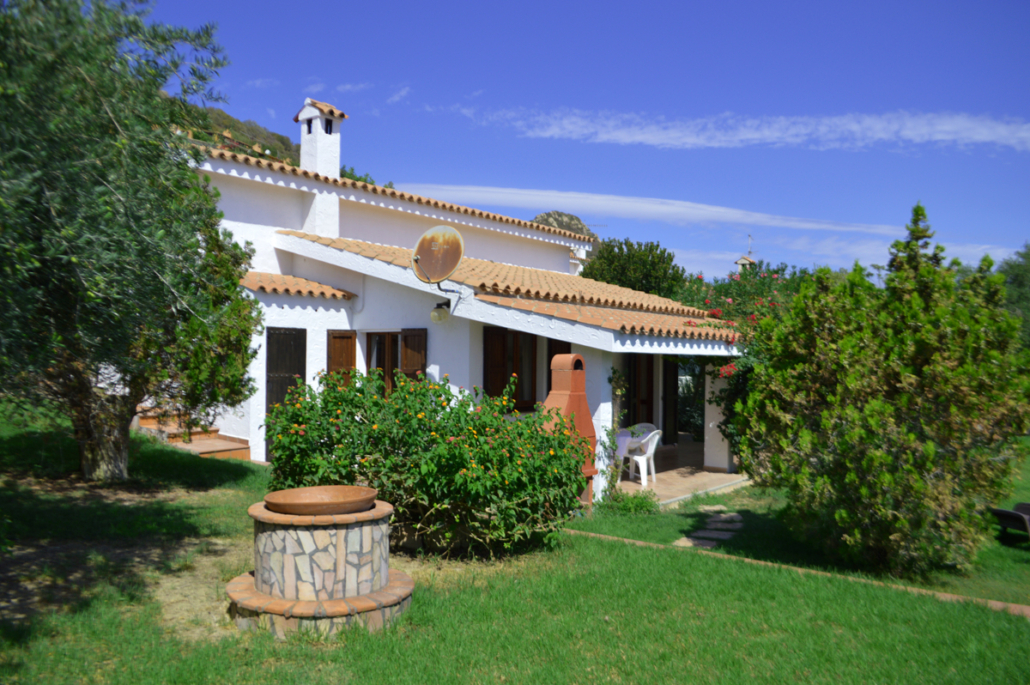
pixel 589 611
pixel 1002 569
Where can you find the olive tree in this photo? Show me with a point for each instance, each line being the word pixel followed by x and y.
pixel 117 285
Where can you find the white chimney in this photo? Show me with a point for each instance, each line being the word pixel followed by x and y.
pixel 320 137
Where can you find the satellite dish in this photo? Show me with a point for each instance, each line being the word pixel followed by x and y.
pixel 437 254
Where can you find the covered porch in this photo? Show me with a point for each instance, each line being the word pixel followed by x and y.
pixel 681 473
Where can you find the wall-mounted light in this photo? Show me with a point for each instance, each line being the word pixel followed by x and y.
pixel 441 312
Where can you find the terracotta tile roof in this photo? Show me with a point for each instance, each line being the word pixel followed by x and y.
pixel 392 193
pixel 291 285
pixel 556 294
pixel 624 320
pixel 324 108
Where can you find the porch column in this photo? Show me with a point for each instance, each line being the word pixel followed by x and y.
pixel 717 450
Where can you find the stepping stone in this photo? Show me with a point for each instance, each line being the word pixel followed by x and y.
pixel 714 534
pixel 711 508
pixel 725 518
pixel 694 542
pixel 715 525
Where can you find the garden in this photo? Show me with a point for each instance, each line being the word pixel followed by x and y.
pixel 124 583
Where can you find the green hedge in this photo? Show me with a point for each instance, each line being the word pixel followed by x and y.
pixel 464 470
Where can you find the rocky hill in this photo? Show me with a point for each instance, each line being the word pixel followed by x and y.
pixel 567 222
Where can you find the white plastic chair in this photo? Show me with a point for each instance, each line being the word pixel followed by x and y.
pixel 645 456
pixel 638 432
pixel 642 429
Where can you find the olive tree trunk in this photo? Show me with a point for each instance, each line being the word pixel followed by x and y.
pixel 102 431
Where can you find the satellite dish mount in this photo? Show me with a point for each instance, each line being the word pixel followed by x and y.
pixel 437 255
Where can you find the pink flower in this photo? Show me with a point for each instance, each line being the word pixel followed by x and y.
pixel 776 275
pixel 729 300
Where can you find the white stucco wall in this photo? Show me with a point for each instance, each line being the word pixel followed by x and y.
pixel 386 307
pixel 597 365
pixel 372 224
pixel 260 197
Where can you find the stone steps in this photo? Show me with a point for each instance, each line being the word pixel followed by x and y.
pixel 204 441
pixel 219 448
pixel 722 525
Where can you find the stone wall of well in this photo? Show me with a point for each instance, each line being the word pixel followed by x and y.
pixel 319 558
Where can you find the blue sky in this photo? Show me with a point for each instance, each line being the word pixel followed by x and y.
pixel 811 126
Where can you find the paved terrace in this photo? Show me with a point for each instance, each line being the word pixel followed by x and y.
pixel 681 473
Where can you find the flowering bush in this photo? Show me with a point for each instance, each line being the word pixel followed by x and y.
pixel 462 469
pixel 743 300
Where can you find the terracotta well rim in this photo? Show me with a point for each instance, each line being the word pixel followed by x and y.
pixel 321 500
pixel 259 512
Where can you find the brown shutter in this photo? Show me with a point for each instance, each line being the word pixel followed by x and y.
pixel 341 352
pixel 286 358
pixel 670 400
pixel 413 352
pixel 494 360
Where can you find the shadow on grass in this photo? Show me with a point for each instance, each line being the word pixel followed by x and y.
pixel 75 542
pixel 53 453
pixel 764 536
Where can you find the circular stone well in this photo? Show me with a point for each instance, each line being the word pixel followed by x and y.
pixel 319 573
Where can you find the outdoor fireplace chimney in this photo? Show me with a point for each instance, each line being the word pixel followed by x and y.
pixel 569 395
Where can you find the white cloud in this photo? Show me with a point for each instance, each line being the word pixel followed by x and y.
pixel 712 263
pixel 676 212
pixel 837 251
pixel 271 112
pixel 475 94
pixel 971 254
pixel 399 95
pixel 846 131
pixel 315 88
pixel 263 83
pixel 352 87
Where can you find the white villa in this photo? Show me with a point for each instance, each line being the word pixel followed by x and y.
pixel 333 274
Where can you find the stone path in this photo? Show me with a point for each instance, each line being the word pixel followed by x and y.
pixel 721 526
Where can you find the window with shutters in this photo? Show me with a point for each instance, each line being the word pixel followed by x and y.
pixel 286 359
pixel 404 352
pixel 506 352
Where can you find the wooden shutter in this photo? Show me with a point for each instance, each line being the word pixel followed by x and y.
pixel 641 389
pixel 525 367
pixel 286 358
pixel 413 352
pixel 494 360
pixel 670 401
pixel 341 352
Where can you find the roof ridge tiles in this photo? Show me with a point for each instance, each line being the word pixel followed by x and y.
pixel 249 160
pixel 509 280
pixel 285 284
